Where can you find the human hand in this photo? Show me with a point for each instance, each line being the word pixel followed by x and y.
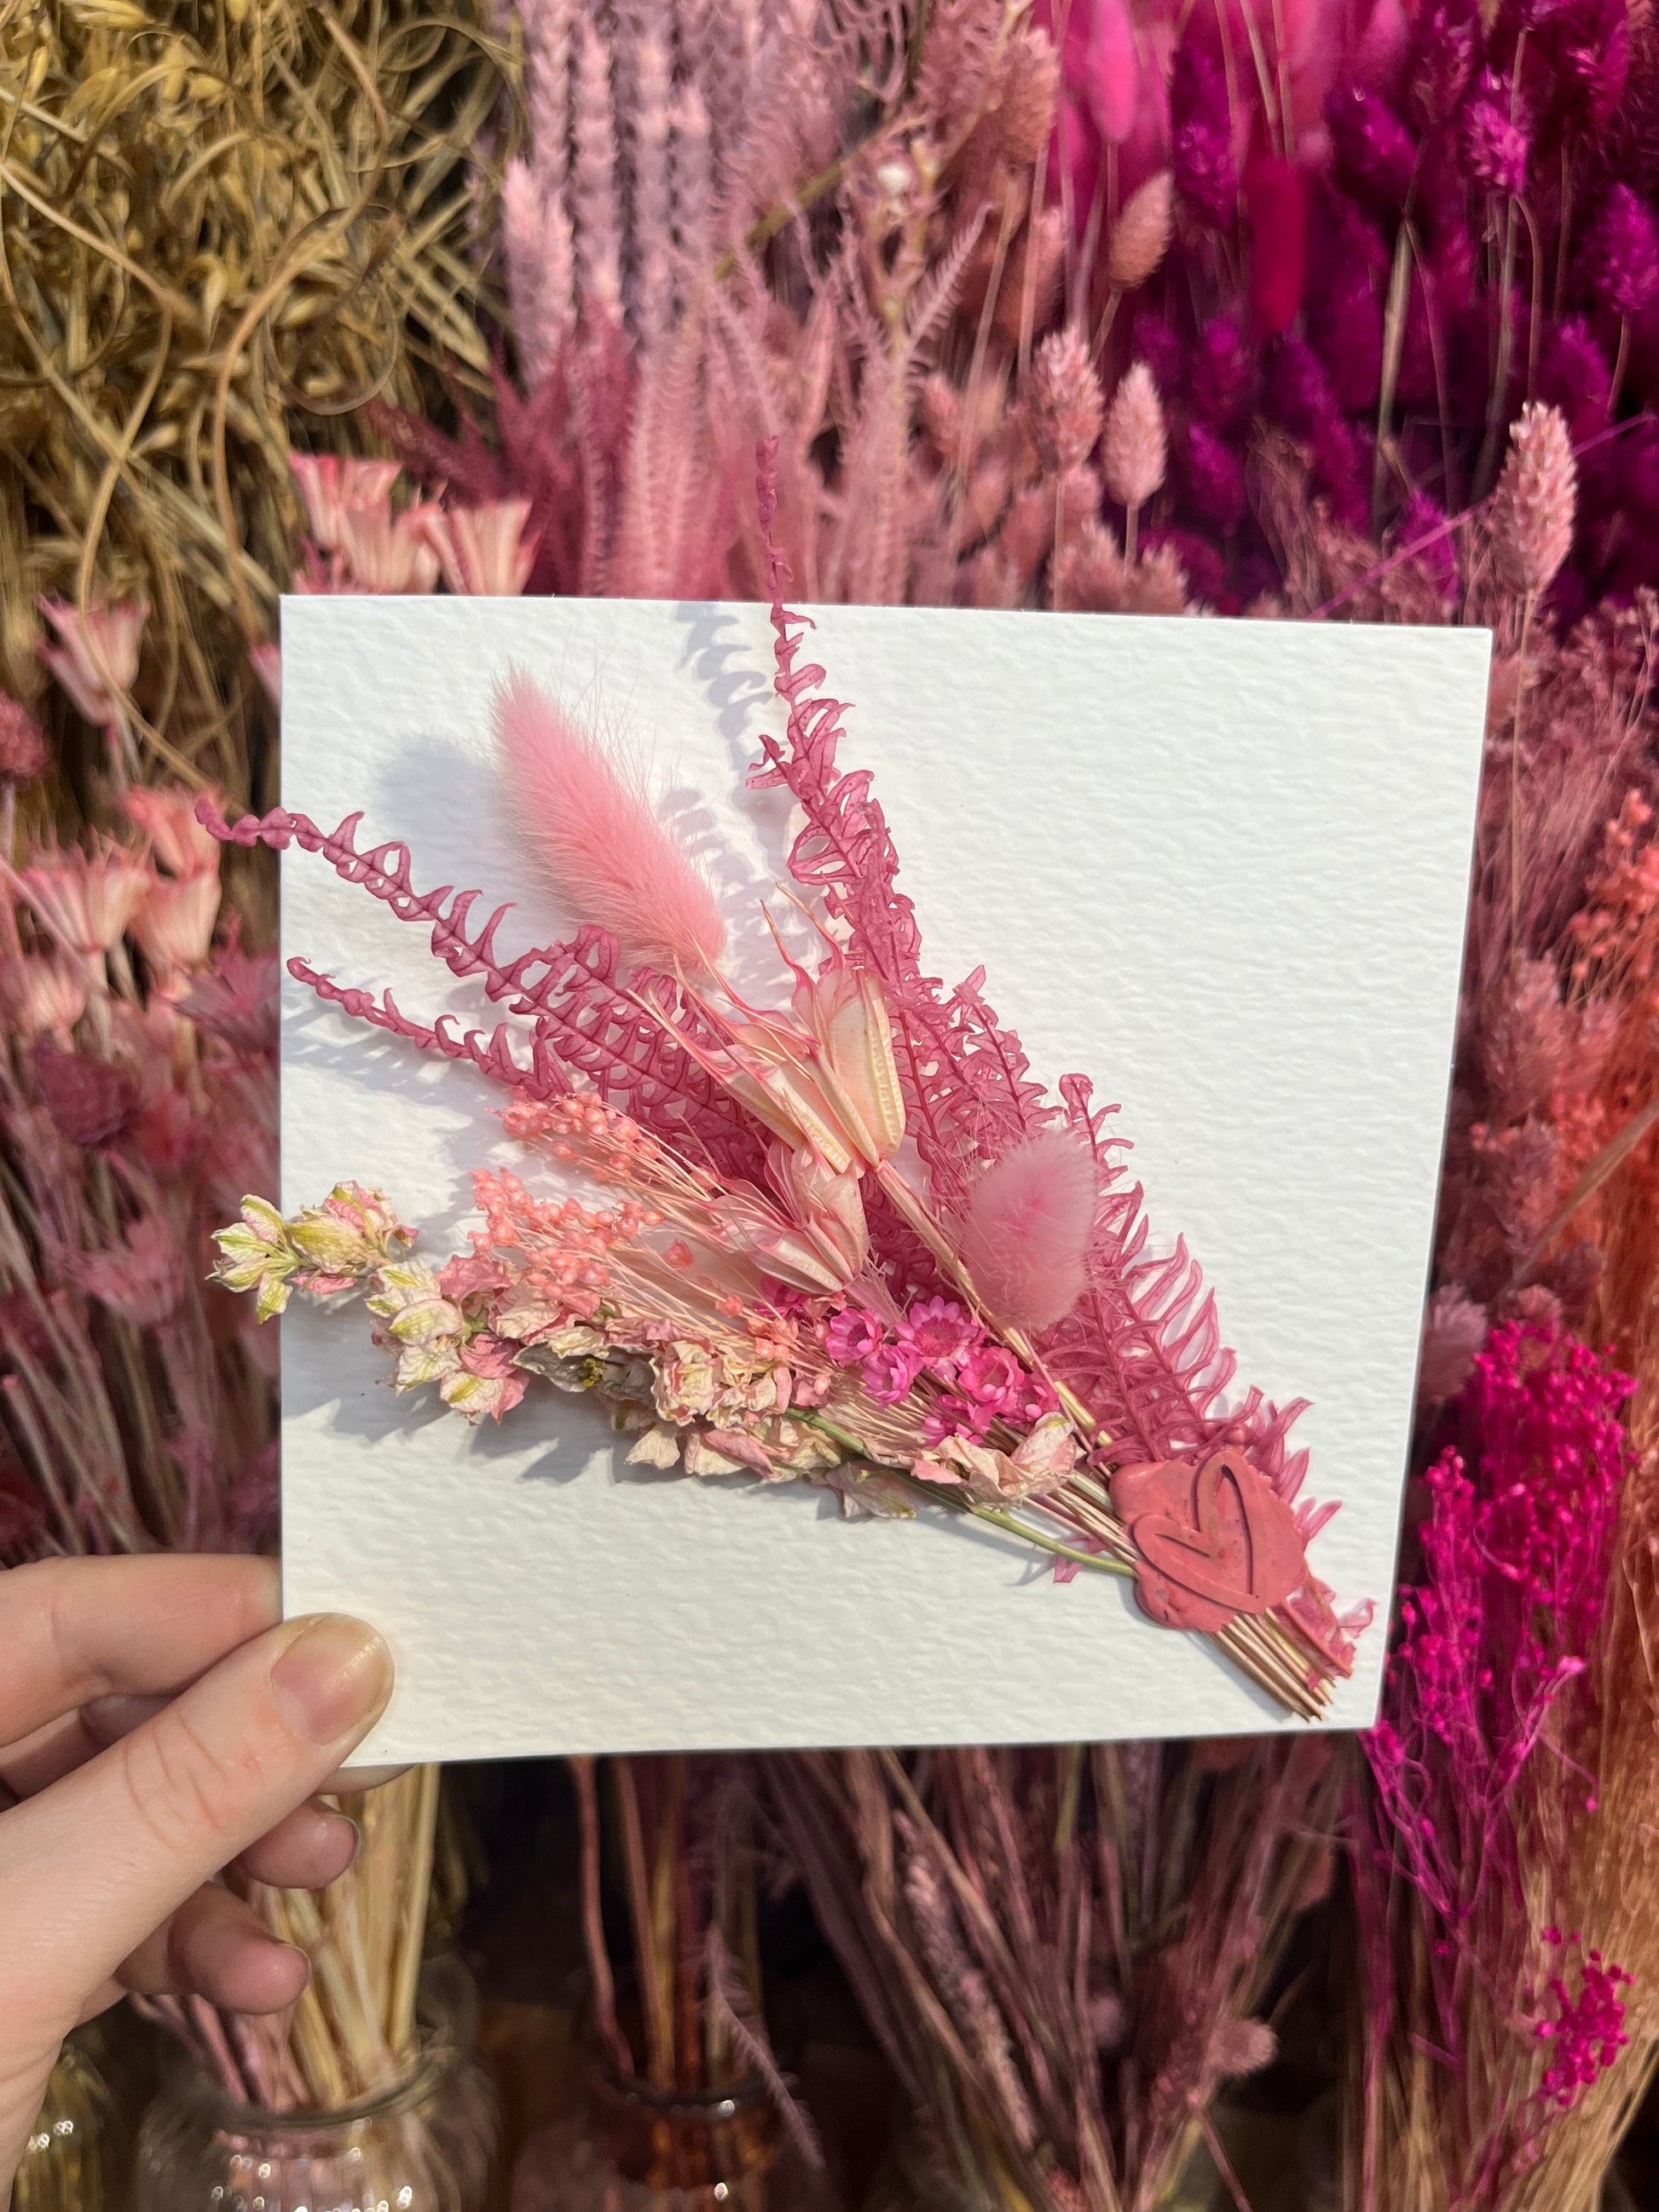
pixel 155 1725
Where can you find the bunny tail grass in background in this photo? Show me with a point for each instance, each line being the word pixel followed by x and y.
pixel 228 226
pixel 604 853
pixel 1028 1223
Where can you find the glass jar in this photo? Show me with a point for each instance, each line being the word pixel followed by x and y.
pixel 636 2149
pixel 67 2164
pixel 425 2143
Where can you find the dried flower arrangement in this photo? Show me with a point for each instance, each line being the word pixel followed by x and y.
pixel 772 1292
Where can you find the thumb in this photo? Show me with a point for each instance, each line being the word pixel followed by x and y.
pixel 99 1860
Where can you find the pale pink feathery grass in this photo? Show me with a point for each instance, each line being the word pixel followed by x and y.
pixel 1534 507
pixel 1134 451
pixel 1027 1227
pixel 605 855
pixel 1141 236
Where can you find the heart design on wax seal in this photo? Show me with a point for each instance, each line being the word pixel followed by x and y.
pixel 1214 1539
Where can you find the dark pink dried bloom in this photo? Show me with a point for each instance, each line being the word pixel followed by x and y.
pixel 89 1101
pixel 1350 324
pixel 1448 47
pixel 1300 387
pixel 1214 476
pixel 1587 2032
pixel 889 1372
pixel 1201 137
pixel 939 1333
pixel 852 1335
pixel 1426 527
pixel 1276 204
pixel 1588 42
pixel 952 1415
pixel 1623 253
pixel 1573 376
pixel 1224 374
pixel 1376 155
pixel 24 754
pixel 1201 560
pixel 1497 135
pixel 1164 351
pixel 991 1376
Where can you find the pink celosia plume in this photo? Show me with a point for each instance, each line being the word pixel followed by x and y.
pixel 606 856
pixel 1027 1227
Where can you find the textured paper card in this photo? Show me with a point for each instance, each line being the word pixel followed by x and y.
pixel 1220 868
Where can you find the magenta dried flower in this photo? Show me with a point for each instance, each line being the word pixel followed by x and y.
pixel 1376 154
pixel 1164 351
pixel 889 1372
pixel 852 1335
pixel 1588 44
pixel 1497 135
pixel 1224 374
pixel 1456 1327
pixel 1573 376
pixel 1351 327
pixel 1623 253
pixel 1449 42
pixel 1299 386
pixel 1214 476
pixel 1201 137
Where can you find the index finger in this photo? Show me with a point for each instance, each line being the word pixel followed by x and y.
pixel 73 1630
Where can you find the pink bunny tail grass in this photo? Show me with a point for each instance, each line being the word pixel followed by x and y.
pixel 606 856
pixel 1027 1229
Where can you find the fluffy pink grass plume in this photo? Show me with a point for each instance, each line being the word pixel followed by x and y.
pixel 1140 237
pixel 1134 451
pixel 1027 1227
pixel 604 855
pixel 1534 507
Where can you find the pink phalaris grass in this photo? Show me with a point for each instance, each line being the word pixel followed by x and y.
pixel 606 856
pixel 1201 136
pixel 1140 237
pixel 1066 401
pixel 1133 454
pixel 1027 1227
pixel 1534 507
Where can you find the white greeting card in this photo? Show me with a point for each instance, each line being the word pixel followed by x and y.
pixel 1220 868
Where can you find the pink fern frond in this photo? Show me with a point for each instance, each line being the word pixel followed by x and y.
pixel 1027 1229
pixel 603 851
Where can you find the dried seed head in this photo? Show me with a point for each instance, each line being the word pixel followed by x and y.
pixel 1533 508
pixel 1065 401
pixel 1141 237
pixel 1134 451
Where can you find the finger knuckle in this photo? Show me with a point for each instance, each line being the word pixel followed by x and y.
pixel 186 1791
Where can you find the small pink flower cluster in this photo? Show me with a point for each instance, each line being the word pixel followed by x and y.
pixel 1588 2031
pixel 981 1382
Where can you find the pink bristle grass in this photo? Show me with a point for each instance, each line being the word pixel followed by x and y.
pixel 604 854
pixel 1027 1227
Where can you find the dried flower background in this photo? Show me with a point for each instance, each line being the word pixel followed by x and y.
pixel 138 1092
pixel 1316 264
pixel 222 221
